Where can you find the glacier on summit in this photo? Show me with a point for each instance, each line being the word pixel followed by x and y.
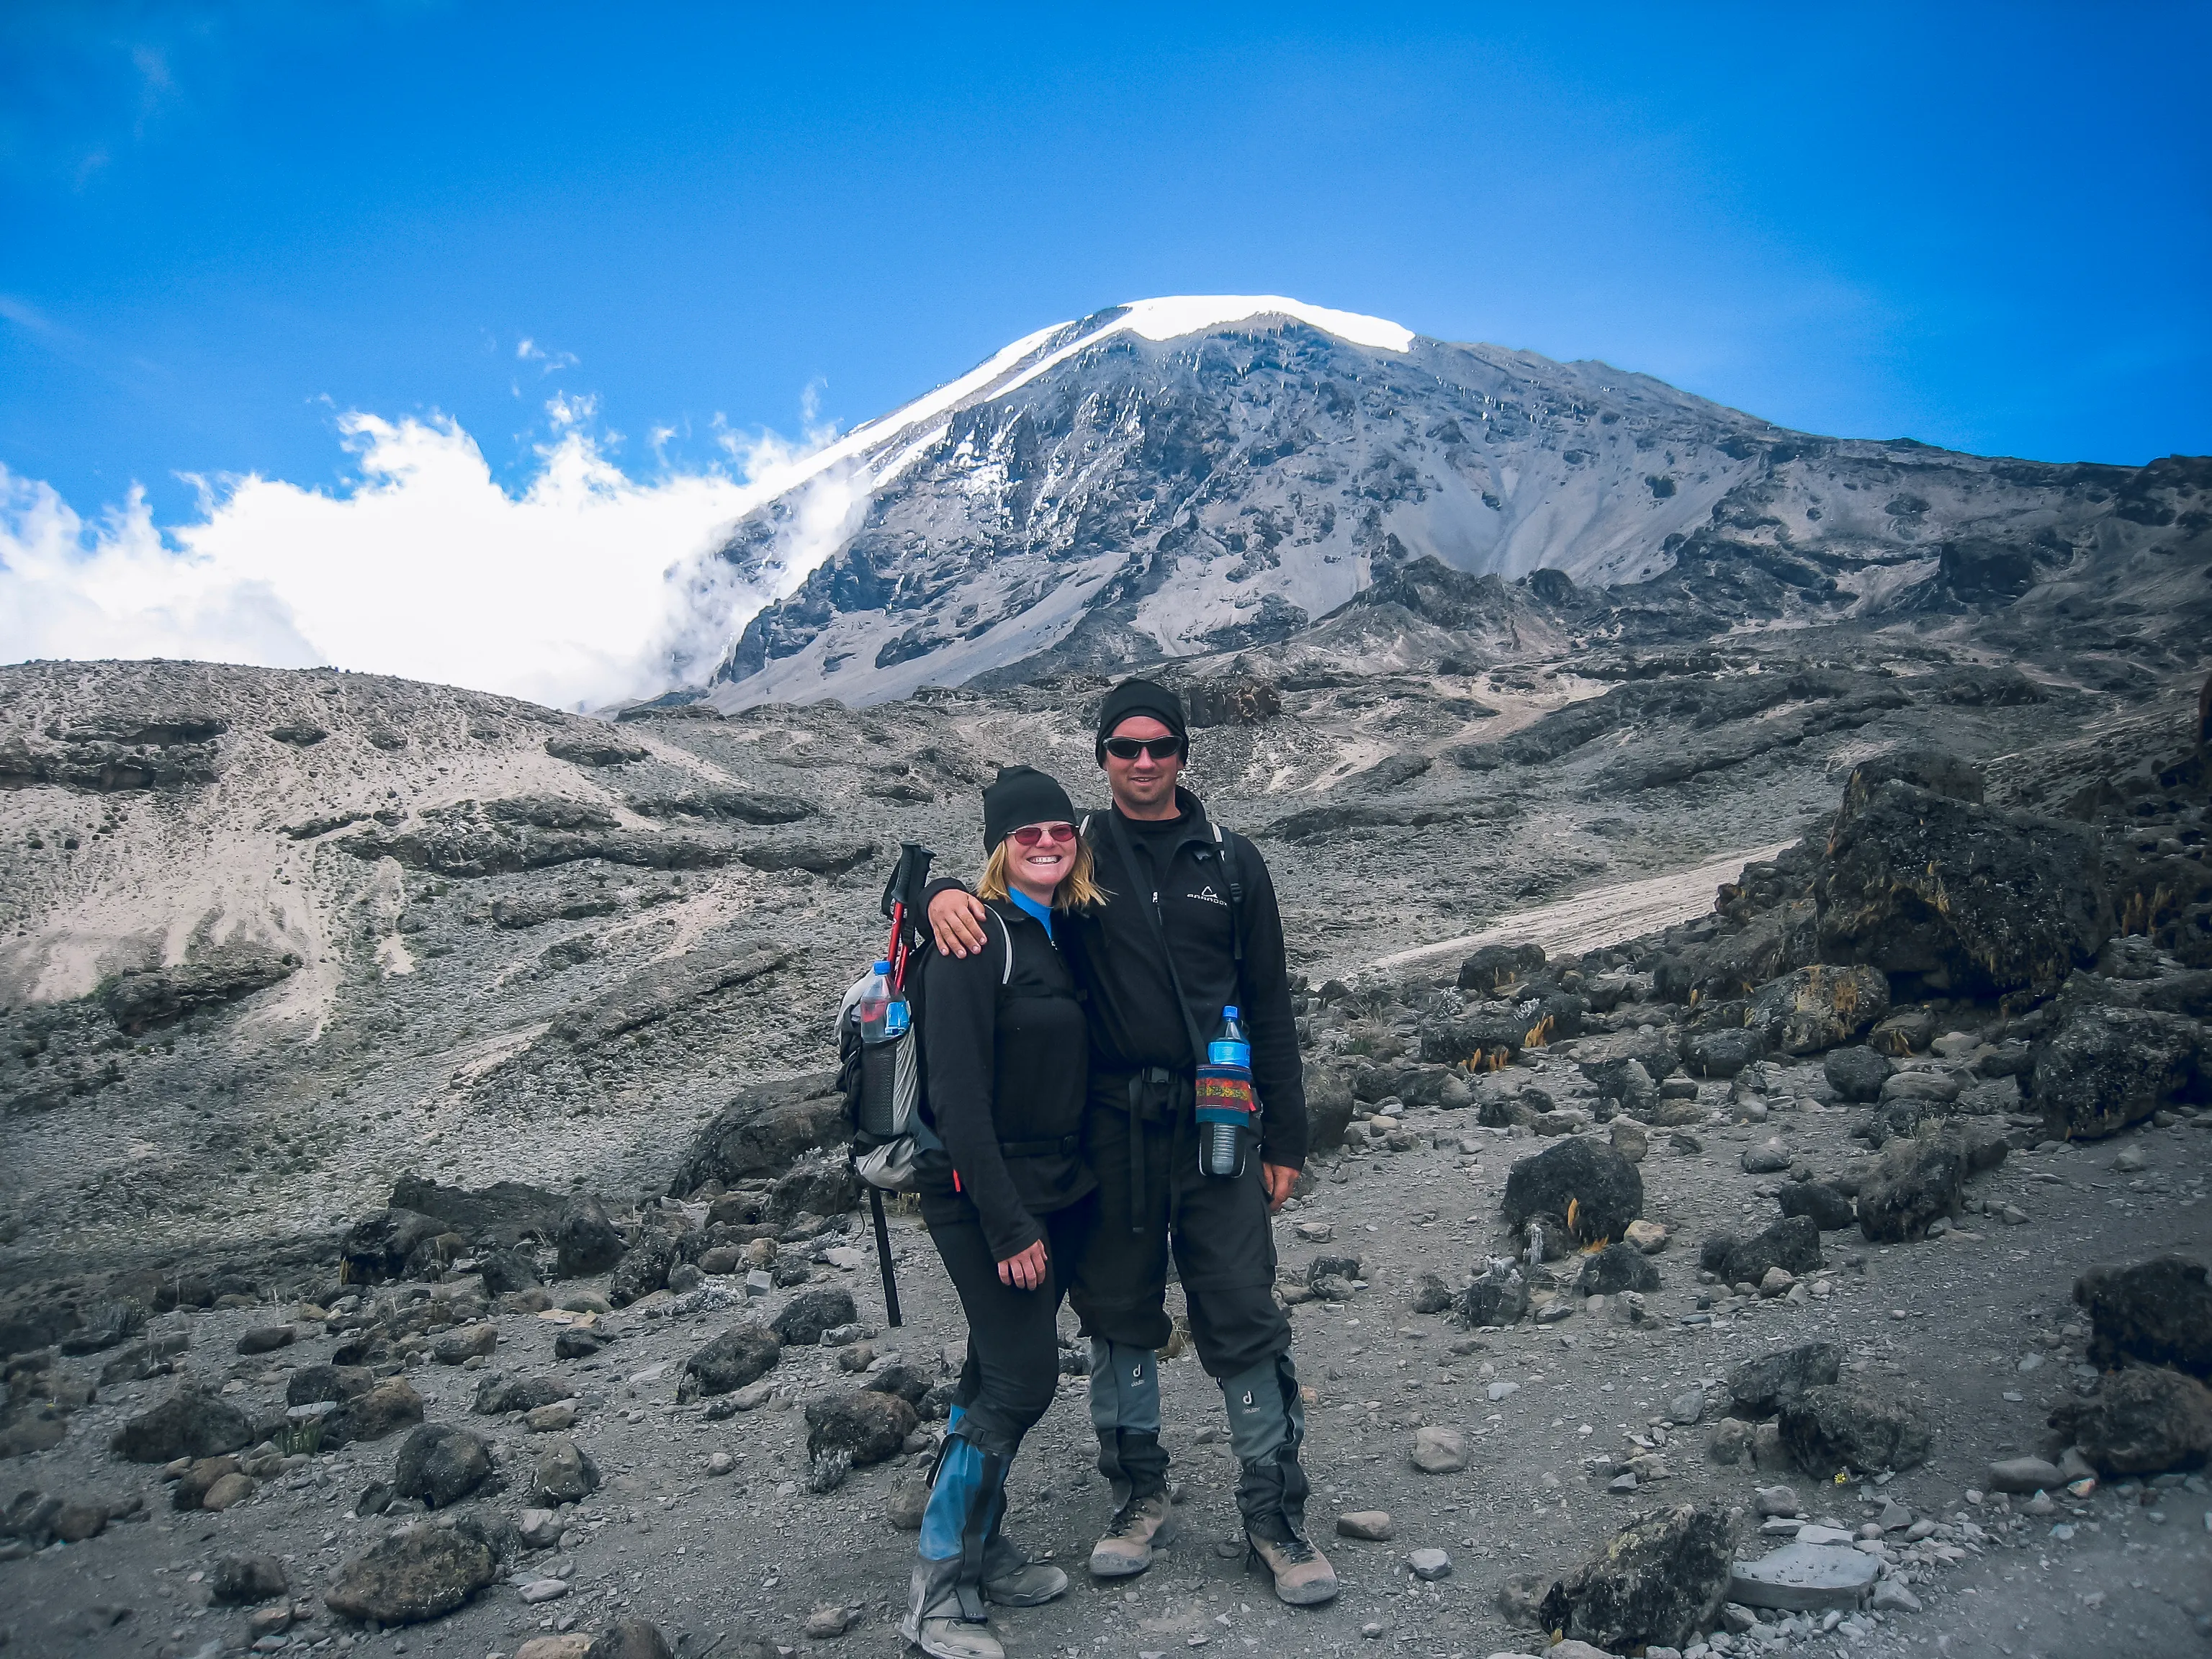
pixel 1183 476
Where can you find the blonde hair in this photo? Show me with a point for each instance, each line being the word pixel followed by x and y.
pixel 1078 889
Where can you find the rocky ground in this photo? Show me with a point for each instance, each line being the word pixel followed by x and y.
pixel 297 967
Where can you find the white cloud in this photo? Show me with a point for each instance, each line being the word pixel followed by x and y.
pixel 585 588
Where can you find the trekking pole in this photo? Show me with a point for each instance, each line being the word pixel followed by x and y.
pixel 884 1256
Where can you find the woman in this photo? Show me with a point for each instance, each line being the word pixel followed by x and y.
pixel 1005 1195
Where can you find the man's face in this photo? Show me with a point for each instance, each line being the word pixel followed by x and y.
pixel 1144 781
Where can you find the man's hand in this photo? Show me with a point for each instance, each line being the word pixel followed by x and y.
pixel 1278 1178
pixel 956 920
pixel 1025 1272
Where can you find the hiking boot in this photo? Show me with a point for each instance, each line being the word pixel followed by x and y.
pixel 933 1621
pixel 1127 1548
pixel 1303 1577
pixel 1012 1580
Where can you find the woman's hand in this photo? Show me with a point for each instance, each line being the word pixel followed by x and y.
pixel 955 923
pixel 1025 1272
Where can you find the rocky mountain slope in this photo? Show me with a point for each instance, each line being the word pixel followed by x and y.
pixel 1176 478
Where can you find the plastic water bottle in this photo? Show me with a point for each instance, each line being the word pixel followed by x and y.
pixel 882 1015
pixel 1227 1052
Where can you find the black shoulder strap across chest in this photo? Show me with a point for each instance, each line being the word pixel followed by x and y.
pixel 1150 906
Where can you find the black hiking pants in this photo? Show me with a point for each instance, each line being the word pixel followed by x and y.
pixel 1012 1370
pixel 1153 1199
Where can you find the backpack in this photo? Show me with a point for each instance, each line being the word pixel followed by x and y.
pixel 883 1082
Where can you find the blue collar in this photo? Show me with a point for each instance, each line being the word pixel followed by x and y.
pixel 1042 913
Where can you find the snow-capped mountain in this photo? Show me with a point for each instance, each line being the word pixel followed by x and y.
pixel 1180 476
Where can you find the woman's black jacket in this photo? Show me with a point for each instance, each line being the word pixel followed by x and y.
pixel 1006 1058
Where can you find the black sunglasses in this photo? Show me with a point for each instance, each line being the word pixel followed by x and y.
pixel 1159 749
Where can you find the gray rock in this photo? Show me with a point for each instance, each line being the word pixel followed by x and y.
pixel 1857 1073
pixel 1430 1564
pixel 2024 1474
pixel 188 1424
pixel 1816 1008
pixel 1802 1577
pixel 1768 1157
pixel 422 1573
pixel 864 1425
pixel 743 1354
pixel 565 1472
pixel 2157 1312
pixel 1831 1210
pixel 1372 1526
pixel 440 1465
pixel 2105 1068
pixel 1761 1386
pixel 1776 1500
pixel 1439 1450
pixel 1792 1244
pixel 243 1581
pixel 908 1498
pixel 809 1314
pixel 1686 1408
pixel 587 1241
pixel 634 1638
pixel 1619 1267
pixel 2141 1421
pixel 498 1394
pixel 1431 1295
pixel 1499 1295
pixel 643 1268
pixel 1600 1186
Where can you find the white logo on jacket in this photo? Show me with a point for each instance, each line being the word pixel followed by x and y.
pixel 1207 894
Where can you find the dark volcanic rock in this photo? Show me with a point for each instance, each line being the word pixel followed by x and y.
pixel 1852 1425
pixel 1499 1295
pixel 1328 1107
pixel 565 1472
pixel 1495 969
pixel 324 1381
pixel 104 1324
pixel 1922 1178
pixel 1759 1388
pixel 654 992
pixel 866 1426
pixel 1818 1007
pixel 740 1355
pixel 581 750
pixel 1659 1582
pixel 1792 1244
pixel 1856 1073
pixel 1491 1035
pixel 2158 1312
pixel 2105 1068
pixel 188 1424
pixel 381 1246
pixel 505 1271
pixel 643 1268
pixel 815 1186
pixel 588 1242
pixel 391 1406
pixel 744 806
pixel 496 1394
pixel 506 1210
pixel 440 1465
pixel 762 1130
pixel 1594 1188
pixel 634 1638
pixel 1725 1052
pixel 823 855
pixel 1619 1267
pixel 1969 899
pixel 244 1581
pixel 2144 1420
pixel 140 1000
pixel 809 1313
pixel 1831 1210
pixel 1934 770
pixel 421 1573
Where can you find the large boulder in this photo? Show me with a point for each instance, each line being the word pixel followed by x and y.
pixel 188 1424
pixel 1857 1073
pixel 588 1241
pixel 866 1426
pixel 1965 899
pixel 381 1246
pixel 1829 1207
pixel 505 1211
pixel 1817 1008
pixel 643 1268
pixel 1921 1177
pixel 1854 1425
pixel 2158 1312
pixel 244 1581
pixel 324 1381
pixel 2105 1068
pixel 1495 970
pixel 2144 1420
pixel 564 1474
pixel 1659 1582
pixel 1603 1059
pixel 1328 1107
pixel 1499 1296
pixel 815 1186
pixel 499 1394
pixel 741 1355
pixel 1619 1267
pixel 1761 1386
pixel 440 1465
pixel 1588 1186
pixel 1725 1052
pixel 424 1572
pixel 762 1130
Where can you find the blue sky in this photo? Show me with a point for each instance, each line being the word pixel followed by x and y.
pixel 1980 227
pixel 240 236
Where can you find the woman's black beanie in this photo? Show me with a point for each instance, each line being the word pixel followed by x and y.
pixel 1020 795
pixel 1140 697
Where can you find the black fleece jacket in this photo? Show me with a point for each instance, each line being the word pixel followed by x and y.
pixel 1133 1019
pixel 1004 1058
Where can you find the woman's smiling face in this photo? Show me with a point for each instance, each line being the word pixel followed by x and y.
pixel 1038 869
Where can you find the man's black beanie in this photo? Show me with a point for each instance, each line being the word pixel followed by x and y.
pixel 1020 795
pixel 1140 697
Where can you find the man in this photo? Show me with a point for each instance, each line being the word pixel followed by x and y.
pixel 1190 926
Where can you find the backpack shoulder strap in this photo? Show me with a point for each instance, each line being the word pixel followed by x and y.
pixel 1226 850
pixel 1006 976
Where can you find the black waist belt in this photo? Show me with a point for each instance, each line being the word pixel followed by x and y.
pixel 1064 1147
pixel 1156 1093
